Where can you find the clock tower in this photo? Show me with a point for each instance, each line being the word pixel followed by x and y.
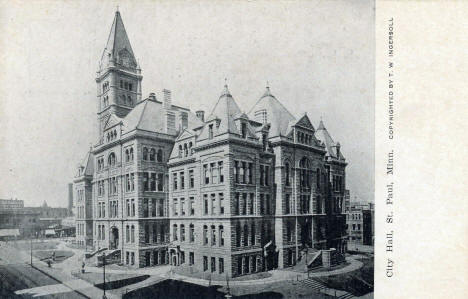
pixel 119 76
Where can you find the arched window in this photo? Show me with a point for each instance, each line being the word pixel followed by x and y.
pixel 317 178
pixel 287 174
pixel 288 232
pixel 127 234
pixel 182 232
pixel 111 159
pixel 108 136
pixel 145 154
pixel 131 154
pixel 133 234
pixel 213 235
pixel 190 148
pixel 185 150
pixel 180 150
pixel 160 155
pixel 127 155
pixel 152 154
pixel 192 233
pixel 115 134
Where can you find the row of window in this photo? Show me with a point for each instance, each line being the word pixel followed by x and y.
pixel 212 263
pixel 357 227
pixel 245 204
pixel 130 182
pixel 243 172
pixel 111 135
pixel 80 195
pixel 80 229
pixel 101 210
pixel 337 183
pixel 176 210
pixel 213 173
pixel 180 177
pixel 105 101
pixel 249 264
pixel 113 209
pixel 149 154
pixel 153 181
pixel 153 207
pixel 247 235
pixel 158 234
pixel 304 138
pixel 354 216
pixel 101 232
pixel 105 86
pixel 129 154
pixel 185 150
pixel 126 85
pixel 80 212
pixel 130 234
pixel 210 206
pixel 126 100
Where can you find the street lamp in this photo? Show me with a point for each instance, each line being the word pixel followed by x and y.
pixel 104 275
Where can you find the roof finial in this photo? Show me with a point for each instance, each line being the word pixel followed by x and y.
pixel 117 8
pixel 225 90
pixel 225 82
pixel 268 85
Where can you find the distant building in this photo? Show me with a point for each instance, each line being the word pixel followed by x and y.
pixel 16 220
pixel 71 205
pixel 360 223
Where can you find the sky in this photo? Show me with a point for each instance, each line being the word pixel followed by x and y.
pixel 318 57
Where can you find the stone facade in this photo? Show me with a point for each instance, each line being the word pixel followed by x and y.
pixel 233 194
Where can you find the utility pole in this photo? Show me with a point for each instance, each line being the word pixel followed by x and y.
pixel 31 251
pixel 104 275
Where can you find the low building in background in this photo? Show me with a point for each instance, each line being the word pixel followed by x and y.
pixel 360 223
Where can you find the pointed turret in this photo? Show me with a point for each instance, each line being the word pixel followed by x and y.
pixel 333 149
pixel 118 48
pixel 119 76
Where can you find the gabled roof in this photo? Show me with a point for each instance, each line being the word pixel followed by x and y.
pixel 111 121
pixel 118 39
pixel 330 145
pixel 277 115
pixel 304 121
pixel 226 110
pixel 87 164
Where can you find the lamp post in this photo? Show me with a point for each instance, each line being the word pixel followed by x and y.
pixel 104 275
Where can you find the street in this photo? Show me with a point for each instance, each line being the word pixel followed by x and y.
pixel 21 277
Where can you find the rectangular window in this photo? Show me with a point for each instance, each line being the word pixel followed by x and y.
pixel 191 179
pixel 205 204
pixel 213 204
pixel 262 170
pixel 221 203
pixel 182 180
pixel 214 173
pixel 213 264
pixel 287 204
pixel 161 207
pixel 221 265
pixel 206 174
pixel 191 258
pixel 153 182
pixel 160 182
pixel 132 181
pixel 251 203
pixel 192 206
pixel 182 206
pixel 262 204
pixel 205 263
pixel 221 174
pixel 242 172
pixel 145 208
pixel 174 181
pixel 175 211
pixel 236 172
pixel 250 173
pixel 133 207
pixel 267 175
pixel 210 131
pixel 153 207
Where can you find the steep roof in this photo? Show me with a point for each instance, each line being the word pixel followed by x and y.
pixel 277 115
pixel 118 39
pixel 87 164
pixel 227 110
pixel 330 145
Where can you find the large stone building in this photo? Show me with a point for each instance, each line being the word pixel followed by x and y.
pixel 229 194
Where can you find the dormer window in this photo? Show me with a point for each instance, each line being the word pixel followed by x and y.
pixel 210 131
pixel 244 130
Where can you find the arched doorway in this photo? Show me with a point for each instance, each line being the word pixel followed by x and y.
pixel 114 238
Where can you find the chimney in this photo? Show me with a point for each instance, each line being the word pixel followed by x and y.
pixel 201 115
pixel 167 99
pixel 152 96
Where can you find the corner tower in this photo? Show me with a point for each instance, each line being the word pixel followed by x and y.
pixel 119 76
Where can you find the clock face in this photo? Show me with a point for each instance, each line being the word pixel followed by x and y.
pixel 126 59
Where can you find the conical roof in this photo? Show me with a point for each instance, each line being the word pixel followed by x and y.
pixel 330 145
pixel 277 115
pixel 226 109
pixel 118 40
